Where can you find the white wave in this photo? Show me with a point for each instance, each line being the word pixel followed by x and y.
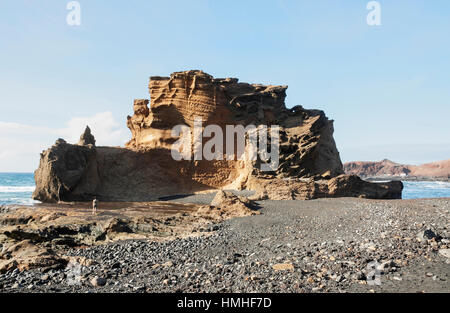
pixel 436 187
pixel 8 189
pixel 443 184
pixel 24 201
pixel 428 185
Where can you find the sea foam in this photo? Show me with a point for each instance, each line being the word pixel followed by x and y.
pixel 13 189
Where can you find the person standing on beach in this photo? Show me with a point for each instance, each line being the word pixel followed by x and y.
pixel 94 205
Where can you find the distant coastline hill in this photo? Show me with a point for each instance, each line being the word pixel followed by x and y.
pixel 387 169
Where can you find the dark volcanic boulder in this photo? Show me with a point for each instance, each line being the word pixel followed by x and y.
pixel 353 186
pixel 66 170
pixel 79 173
pixel 87 138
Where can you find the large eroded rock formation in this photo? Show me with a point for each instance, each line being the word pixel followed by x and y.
pixel 309 162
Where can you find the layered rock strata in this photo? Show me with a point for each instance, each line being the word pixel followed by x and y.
pixel 38 236
pixel 145 169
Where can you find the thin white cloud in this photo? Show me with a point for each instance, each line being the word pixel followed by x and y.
pixel 20 144
pixel 106 130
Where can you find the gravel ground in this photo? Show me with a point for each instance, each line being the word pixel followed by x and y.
pixel 325 245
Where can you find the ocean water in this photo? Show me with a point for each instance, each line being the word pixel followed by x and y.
pixel 16 188
pixel 425 189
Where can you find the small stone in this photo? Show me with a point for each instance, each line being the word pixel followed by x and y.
pixel 360 276
pixel 283 267
pixel 215 228
pixel 254 277
pixel 116 265
pixel 445 253
pixel 427 234
pixel 98 281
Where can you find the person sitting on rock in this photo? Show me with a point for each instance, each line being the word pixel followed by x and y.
pixel 94 205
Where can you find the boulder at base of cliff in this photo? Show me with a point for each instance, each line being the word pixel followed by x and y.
pixel 66 172
pixel 226 205
pixel 353 186
pixel 314 188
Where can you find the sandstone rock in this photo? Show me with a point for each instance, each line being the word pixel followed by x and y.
pixel 353 186
pixel 116 225
pixel 80 260
pixel 145 169
pixel 313 188
pixel 307 145
pixel 87 138
pixel 228 199
pixel 226 205
pixel 76 226
pixel 51 217
pixel 283 267
pixel 25 255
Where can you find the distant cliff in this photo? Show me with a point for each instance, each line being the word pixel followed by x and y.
pixel 387 169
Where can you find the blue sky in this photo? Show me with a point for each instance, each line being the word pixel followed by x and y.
pixel 387 87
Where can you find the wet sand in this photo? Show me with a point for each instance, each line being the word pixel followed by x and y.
pixel 158 207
